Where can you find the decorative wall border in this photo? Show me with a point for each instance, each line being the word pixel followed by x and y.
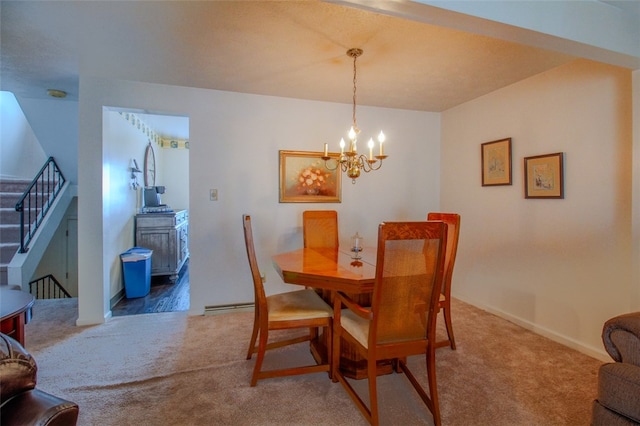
pixel 167 143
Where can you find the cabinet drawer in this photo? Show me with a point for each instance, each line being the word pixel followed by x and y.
pixel 155 220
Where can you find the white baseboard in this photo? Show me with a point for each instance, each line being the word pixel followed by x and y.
pixel 596 353
pixel 225 309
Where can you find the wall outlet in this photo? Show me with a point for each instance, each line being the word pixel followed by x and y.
pixel 213 195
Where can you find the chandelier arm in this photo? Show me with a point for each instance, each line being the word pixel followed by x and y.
pixel 368 165
pixel 327 162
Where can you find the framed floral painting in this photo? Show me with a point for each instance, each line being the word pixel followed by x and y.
pixel 304 178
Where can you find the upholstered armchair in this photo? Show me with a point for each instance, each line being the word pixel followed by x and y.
pixel 20 402
pixel 618 400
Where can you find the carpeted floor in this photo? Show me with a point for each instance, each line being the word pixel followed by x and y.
pixel 173 369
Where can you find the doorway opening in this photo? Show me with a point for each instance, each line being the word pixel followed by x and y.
pixel 157 144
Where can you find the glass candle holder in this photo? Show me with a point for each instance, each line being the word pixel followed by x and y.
pixel 356 246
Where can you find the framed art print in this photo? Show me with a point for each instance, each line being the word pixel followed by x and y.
pixel 305 179
pixel 496 162
pixel 543 176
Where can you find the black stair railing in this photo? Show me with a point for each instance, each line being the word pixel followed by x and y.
pixel 48 287
pixel 36 201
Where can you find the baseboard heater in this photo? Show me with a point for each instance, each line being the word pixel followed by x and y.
pixel 225 309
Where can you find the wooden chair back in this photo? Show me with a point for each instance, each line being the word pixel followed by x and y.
pixel 320 228
pixel 258 287
pixel 453 232
pixel 409 275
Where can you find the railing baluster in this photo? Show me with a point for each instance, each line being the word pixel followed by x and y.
pixel 42 193
pixel 48 286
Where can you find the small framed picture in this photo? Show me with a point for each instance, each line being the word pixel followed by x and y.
pixel 496 162
pixel 304 178
pixel 543 176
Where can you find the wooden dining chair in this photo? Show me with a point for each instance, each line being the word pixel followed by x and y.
pixel 401 321
pixel 302 309
pixel 453 232
pixel 320 228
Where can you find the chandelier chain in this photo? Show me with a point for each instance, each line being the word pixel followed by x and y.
pixel 355 124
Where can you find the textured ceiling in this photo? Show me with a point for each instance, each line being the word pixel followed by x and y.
pixel 289 49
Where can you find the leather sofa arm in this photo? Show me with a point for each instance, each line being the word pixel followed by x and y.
pixel 621 338
pixel 36 407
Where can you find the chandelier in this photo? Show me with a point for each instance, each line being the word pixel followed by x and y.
pixel 350 161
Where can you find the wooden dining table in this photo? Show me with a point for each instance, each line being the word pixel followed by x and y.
pixel 330 270
pixel 15 312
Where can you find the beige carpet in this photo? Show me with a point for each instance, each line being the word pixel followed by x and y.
pixel 172 369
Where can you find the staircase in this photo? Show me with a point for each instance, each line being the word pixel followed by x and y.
pixel 10 193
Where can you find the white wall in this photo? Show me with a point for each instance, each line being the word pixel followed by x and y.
pixel 55 125
pixel 174 171
pixel 60 257
pixel 234 143
pixel 560 267
pixel 21 155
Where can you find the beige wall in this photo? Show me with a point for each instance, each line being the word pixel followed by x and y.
pixel 234 144
pixel 560 267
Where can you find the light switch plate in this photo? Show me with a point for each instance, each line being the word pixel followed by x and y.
pixel 213 195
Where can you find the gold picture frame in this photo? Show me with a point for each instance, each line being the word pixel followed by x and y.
pixel 304 178
pixel 496 162
pixel 544 176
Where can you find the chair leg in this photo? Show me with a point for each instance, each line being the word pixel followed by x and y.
pixel 254 335
pixel 431 400
pixel 328 333
pixel 433 386
pixel 335 355
pixel 262 348
pixel 373 391
pixel 447 321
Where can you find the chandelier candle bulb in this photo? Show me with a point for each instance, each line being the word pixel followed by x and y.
pixel 371 149
pixel 326 149
pixel 342 146
pixel 381 139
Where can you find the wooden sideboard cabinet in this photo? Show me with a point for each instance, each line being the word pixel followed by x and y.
pixel 167 234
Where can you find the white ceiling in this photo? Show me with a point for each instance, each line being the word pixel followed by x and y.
pixel 281 48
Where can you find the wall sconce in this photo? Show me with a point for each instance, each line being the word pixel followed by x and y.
pixel 133 165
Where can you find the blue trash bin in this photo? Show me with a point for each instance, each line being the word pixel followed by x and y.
pixel 136 270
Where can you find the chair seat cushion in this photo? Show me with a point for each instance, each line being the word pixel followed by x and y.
pixel 619 387
pixel 356 326
pixel 297 305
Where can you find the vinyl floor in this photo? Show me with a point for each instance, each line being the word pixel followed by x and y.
pixel 164 296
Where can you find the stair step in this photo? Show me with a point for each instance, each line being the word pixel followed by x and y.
pixel 9 233
pixel 9 216
pixel 7 251
pixel 14 185
pixel 9 199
